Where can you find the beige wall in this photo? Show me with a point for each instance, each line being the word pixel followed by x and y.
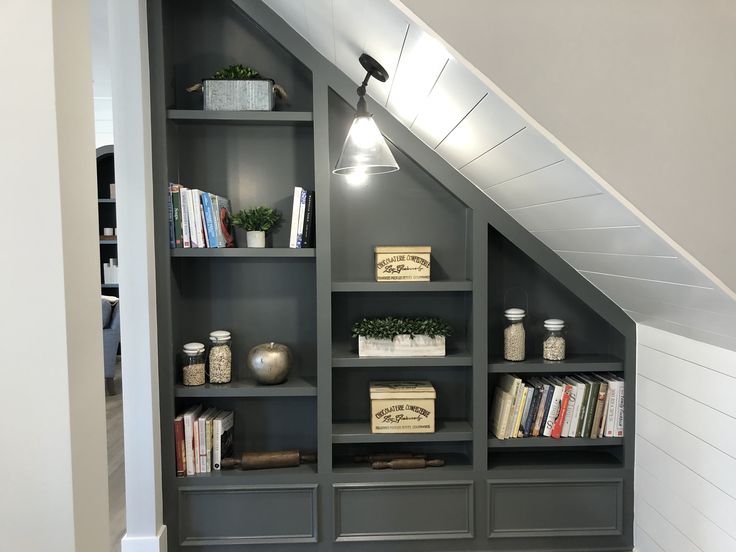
pixel 642 90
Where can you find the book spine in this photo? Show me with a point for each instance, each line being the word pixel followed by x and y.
pixel 619 428
pixel 580 419
pixel 569 411
pixel 208 448
pixel 209 221
pixel 172 235
pixel 300 222
pixel 176 203
pixel 560 421
pixel 554 410
pixel 189 444
pixel 517 432
pixel 611 413
pixel 308 231
pixel 196 227
pixel 186 228
pixel 518 395
pixel 205 237
pixel 590 410
pixel 599 406
pixel 202 428
pixel 181 466
pixel 294 217
pixel 540 412
pixel 216 450
pixel 195 445
pixel 216 201
pixel 536 397
pixel 192 219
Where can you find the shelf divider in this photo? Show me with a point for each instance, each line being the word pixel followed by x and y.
pixel 344 358
pixel 241 117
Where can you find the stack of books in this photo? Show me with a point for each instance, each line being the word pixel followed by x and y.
pixel 203 438
pixel 302 219
pixel 199 219
pixel 581 405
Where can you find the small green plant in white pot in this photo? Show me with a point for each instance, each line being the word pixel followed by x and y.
pixel 257 222
pixel 401 337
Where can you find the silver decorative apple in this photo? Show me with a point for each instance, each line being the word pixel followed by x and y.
pixel 269 363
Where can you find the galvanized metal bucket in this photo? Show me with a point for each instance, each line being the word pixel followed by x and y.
pixel 238 95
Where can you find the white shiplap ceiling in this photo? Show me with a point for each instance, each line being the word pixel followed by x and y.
pixel 474 126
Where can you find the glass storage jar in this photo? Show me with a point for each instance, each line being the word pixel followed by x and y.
pixel 193 368
pixel 221 357
pixel 553 347
pixel 514 335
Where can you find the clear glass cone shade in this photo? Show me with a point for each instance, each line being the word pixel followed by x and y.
pixel 365 152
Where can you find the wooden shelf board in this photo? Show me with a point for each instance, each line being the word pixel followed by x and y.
pixel 548 442
pixel 241 117
pixel 453 462
pixel 250 252
pixel 293 387
pixel 227 478
pixel 360 432
pixel 343 358
pixel 575 363
pixel 368 286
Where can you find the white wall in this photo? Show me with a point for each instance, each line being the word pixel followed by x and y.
pixel 101 72
pixel 685 498
pixel 53 469
pixel 641 90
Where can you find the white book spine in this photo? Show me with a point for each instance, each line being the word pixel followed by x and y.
pixel 189 444
pixel 295 217
pixel 554 410
pixel 611 412
pixel 197 214
pixel 194 238
pixel 604 417
pixel 572 401
pixel 186 200
pixel 510 429
pixel 608 415
pixel 619 430
pixel 300 223
pixel 514 398
pixel 202 453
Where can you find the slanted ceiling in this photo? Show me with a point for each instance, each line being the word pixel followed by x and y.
pixel 466 119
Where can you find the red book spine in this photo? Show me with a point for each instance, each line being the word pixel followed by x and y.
pixel 560 421
pixel 181 468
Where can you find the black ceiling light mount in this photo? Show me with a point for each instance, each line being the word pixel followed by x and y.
pixel 365 151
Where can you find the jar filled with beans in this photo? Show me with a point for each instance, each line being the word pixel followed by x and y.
pixel 193 368
pixel 221 357
pixel 514 335
pixel 553 347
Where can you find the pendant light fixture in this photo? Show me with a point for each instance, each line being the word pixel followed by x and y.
pixel 365 151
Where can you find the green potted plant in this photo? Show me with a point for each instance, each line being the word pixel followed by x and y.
pixel 256 222
pixel 401 337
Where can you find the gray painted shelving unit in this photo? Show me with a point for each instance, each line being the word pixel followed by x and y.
pixel 523 494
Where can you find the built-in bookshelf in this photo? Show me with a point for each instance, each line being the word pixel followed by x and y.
pixel 482 263
pixel 106 213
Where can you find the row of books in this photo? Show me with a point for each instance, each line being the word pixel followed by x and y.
pixel 302 219
pixel 199 219
pixel 580 405
pixel 203 437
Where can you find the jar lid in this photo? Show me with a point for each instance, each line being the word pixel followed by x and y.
pixel 219 336
pixel 554 324
pixel 515 314
pixel 193 348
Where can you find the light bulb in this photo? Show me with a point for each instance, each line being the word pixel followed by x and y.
pixel 364 133
pixel 357 178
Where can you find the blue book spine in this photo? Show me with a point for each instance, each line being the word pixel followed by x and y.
pixel 208 220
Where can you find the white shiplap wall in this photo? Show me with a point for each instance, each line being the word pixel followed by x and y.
pixel 458 112
pixel 685 496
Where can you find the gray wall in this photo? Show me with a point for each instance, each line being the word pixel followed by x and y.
pixel 642 91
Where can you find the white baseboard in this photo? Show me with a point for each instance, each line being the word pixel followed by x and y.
pixel 153 543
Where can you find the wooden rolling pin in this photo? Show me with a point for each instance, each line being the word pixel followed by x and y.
pixel 386 456
pixel 268 460
pixel 407 464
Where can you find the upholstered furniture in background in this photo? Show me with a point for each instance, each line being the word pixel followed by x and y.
pixel 110 338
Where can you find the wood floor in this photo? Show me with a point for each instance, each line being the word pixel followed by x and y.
pixel 116 463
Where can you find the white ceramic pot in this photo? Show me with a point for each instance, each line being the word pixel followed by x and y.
pixel 256 238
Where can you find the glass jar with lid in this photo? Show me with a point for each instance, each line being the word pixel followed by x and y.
pixel 514 335
pixel 193 368
pixel 220 357
pixel 553 347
